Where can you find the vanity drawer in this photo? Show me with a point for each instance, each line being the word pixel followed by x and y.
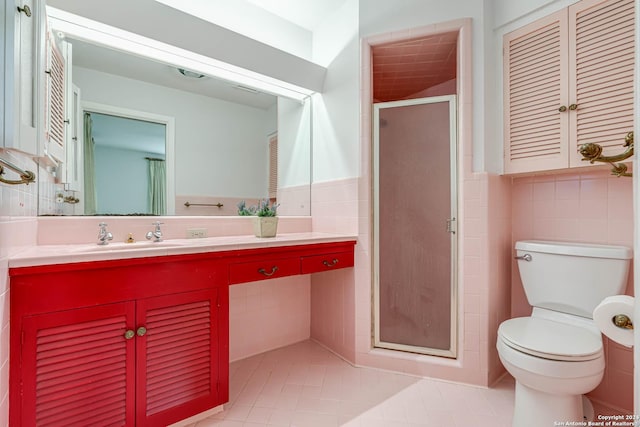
pixel 325 262
pixel 263 269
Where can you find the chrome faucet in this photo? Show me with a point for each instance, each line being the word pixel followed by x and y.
pixel 103 235
pixel 156 234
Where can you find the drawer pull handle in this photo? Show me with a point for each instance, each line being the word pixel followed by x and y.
pixel 330 264
pixel 141 331
pixel 264 272
pixel 129 334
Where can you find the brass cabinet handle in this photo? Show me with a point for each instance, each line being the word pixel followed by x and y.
pixel 129 334
pixel 562 109
pixel 26 9
pixel 264 272
pixel 573 107
pixel 141 331
pixel 330 264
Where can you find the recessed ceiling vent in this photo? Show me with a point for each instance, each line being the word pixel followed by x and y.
pixel 190 74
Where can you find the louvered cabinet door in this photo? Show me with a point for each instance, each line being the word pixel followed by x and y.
pixel 78 368
pixel 54 100
pixel 535 90
pixel 178 363
pixel 601 61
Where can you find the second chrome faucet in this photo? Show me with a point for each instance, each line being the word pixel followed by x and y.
pixel 156 234
pixel 103 235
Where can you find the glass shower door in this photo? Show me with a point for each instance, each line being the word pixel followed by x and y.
pixel 415 152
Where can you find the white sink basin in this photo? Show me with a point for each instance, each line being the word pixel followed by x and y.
pixel 121 246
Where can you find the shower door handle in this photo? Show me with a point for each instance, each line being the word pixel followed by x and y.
pixel 451 225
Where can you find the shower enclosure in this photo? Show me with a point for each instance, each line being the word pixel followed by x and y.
pixel 415 211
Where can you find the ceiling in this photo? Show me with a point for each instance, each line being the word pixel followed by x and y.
pixel 405 68
pixel 304 13
pixel 123 64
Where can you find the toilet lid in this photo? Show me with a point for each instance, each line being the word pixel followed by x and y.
pixel 550 340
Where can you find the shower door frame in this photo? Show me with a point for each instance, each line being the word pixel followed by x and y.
pixel 449 226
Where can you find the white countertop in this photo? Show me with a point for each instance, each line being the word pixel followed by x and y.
pixel 65 254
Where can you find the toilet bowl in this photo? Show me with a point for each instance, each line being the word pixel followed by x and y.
pixel 550 381
pixel 556 354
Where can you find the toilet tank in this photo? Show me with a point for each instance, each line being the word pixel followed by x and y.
pixel 571 277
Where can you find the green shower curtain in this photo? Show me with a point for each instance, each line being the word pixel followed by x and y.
pixel 90 197
pixel 157 189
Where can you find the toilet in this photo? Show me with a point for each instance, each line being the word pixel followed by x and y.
pixel 556 355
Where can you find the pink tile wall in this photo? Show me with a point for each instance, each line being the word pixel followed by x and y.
pixel 499 265
pixel 19 200
pixel 335 206
pixel 332 311
pixel 587 206
pixel 15 233
pixel 268 314
pixel 18 207
pixel 335 210
pixel 295 200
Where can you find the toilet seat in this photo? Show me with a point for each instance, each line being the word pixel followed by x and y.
pixel 550 340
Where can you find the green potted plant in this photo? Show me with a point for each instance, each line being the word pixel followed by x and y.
pixel 265 219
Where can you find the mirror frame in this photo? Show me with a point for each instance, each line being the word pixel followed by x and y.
pixel 169 122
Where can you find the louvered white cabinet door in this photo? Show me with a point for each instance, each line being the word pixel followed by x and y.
pixel 79 369
pixel 601 81
pixel 54 100
pixel 177 356
pixel 536 87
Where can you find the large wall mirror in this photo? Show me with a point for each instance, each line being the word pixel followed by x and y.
pixel 157 139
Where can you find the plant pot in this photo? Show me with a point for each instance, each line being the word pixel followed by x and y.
pixel 265 226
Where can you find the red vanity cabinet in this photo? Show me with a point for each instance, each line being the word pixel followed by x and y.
pixel 133 343
pixel 271 263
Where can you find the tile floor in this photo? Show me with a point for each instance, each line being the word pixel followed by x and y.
pixel 305 385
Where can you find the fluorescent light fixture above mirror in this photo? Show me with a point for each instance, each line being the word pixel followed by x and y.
pixel 78 27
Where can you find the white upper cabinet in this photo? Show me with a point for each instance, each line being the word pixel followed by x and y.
pixel 23 78
pixel 34 83
pixel 568 81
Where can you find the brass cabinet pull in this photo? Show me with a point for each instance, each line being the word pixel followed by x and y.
pixel 26 9
pixel 573 107
pixel 129 334
pixel 330 264
pixel 264 272
pixel 562 109
pixel 141 331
